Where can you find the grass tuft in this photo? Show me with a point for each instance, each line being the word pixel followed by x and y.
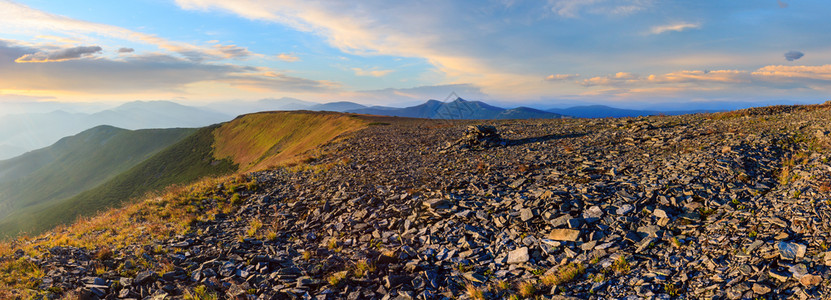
pixel 526 289
pixel 565 274
pixel 474 293
pixel 621 266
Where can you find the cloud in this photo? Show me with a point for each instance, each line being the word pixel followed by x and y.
pixel 287 57
pixel 428 32
pixel 373 73
pixel 59 55
pixel 781 4
pixel 559 77
pixel 126 50
pixel 59 39
pixel 793 55
pixel 14 15
pixel 614 79
pixel 135 73
pixel 273 81
pixel 22 99
pixel 573 8
pixel 232 51
pixel 795 73
pixel 698 76
pixel 677 27
pixel 624 79
pixel 766 82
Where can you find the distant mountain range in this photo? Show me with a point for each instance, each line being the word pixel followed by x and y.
pixel 457 109
pixel 602 111
pixel 24 132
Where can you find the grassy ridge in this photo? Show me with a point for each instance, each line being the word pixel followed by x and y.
pixel 261 140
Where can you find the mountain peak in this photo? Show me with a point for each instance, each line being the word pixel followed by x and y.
pixel 458 109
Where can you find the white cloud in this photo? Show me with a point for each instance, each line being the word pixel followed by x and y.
pixel 763 82
pixel 373 73
pixel 574 8
pixel 288 57
pixel 791 73
pixel 135 73
pixel 60 39
pixel 676 27
pixel 559 77
pixel 14 16
pixel 419 31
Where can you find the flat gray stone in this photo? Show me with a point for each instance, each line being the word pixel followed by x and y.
pixel 624 209
pixel 791 251
pixel 518 256
pixel 526 214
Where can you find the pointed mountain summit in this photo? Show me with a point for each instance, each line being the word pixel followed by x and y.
pixel 458 109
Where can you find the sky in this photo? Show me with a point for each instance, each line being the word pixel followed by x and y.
pixel 551 53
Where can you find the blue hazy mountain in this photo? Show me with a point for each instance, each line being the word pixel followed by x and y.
pixel 340 106
pixel 602 111
pixel 458 109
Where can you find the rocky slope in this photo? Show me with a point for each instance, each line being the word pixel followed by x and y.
pixel 730 206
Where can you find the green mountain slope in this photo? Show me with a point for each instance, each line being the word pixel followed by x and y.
pixel 75 164
pixel 185 161
pixel 247 143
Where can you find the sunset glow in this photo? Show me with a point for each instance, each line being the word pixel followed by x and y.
pixel 381 52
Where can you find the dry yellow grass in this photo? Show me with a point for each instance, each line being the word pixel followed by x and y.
pixel 261 140
pixel 141 223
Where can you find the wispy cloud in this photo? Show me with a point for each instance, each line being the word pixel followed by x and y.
pixel 559 77
pixel 574 8
pixel 426 32
pixel 373 73
pixel 126 50
pixel 59 39
pixel 287 57
pixel 135 73
pixel 676 27
pixel 14 15
pixel 59 55
pixel 795 73
pixel 765 81
pixel 273 81
pixel 614 79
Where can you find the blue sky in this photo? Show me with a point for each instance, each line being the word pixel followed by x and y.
pixel 543 53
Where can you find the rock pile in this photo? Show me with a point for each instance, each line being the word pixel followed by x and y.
pixel 697 206
pixel 478 137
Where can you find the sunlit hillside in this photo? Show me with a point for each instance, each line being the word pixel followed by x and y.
pixel 248 142
pixel 256 141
